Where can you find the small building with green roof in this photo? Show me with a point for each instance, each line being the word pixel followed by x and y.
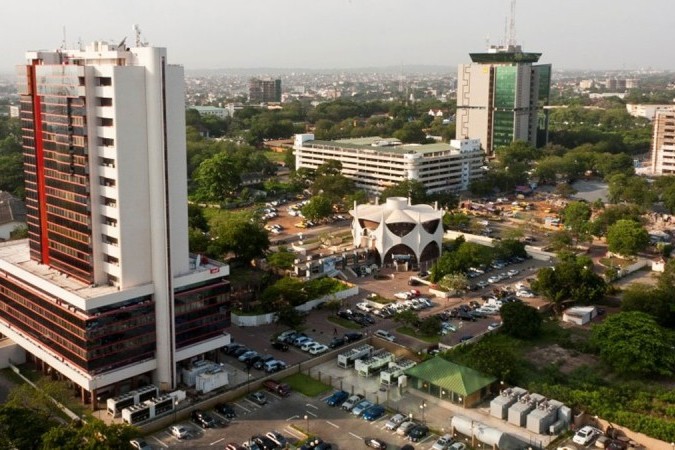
pixel 449 381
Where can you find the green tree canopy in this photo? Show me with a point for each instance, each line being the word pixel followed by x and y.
pixel 657 301
pixel 318 207
pixel 21 428
pixel 627 237
pixel 217 178
pixel 632 343
pixel 407 188
pixel 576 216
pixel 611 214
pixel 520 320
pixel 245 237
pixel 91 435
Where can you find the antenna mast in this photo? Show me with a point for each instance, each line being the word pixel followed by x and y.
pixel 512 25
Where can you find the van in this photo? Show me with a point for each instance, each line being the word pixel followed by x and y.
pixel 275 387
pixel 385 335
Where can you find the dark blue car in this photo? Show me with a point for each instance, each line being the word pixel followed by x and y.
pixel 337 398
pixel 373 413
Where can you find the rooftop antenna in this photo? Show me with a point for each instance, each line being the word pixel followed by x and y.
pixel 137 31
pixel 512 25
pixel 63 43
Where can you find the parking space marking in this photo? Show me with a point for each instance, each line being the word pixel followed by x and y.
pixel 255 405
pixel 326 398
pixel 380 419
pixel 215 442
pixel 295 433
pixel 356 436
pixel 311 413
pixel 332 424
pixel 426 439
pixel 245 409
pixel 293 417
pixel 160 442
pixel 311 406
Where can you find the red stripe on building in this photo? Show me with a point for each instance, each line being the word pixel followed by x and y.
pixel 40 166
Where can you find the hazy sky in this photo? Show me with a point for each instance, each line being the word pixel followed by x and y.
pixel 210 34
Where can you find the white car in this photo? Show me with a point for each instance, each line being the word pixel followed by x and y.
pixel 457 446
pixel 586 435
pixel 363 306
pixel 494 279
pixel 385 335
pixel 525 294
pixel 179 431
pixel 443 442
pixel 513 272
pixel 394 422
pixel 494 326
pixel 307 345
pixel 318 349
pixel 402 295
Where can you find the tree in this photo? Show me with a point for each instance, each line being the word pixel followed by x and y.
pixel 333 187
pixel 407 188
pixel 508 248
pixel 21 428
pixel 408 318
pixel 520 320
pixel 561 241
pixel 282 259
pixel 245 237
pixel 632 343
pixel 217 178
pixel 653 300
pixel 572 278
pixel 575 216
pixel 627 237
pixel 565 190
pixel 91 435
pixel 456 221
pixel 291 317
pixel 611 214
pixel 329 168
pixel 40 399
pixel 317 208
pixel 411 133
pixel 430 326
pixel 286 291
pixel 454 282
pixel 494 354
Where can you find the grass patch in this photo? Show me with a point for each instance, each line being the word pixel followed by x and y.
pixel 414 333
pixel 381 300
pixel 344 323
pixel 275 156
pixel 616 262
pixel 306 385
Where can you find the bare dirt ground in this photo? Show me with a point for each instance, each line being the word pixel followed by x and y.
pixel 567 359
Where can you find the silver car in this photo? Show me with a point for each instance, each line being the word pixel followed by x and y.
pixel 394 422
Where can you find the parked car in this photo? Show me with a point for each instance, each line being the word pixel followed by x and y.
pixel 351 337
pixel 282 389
pixel 306 345
pixel 203 419
pixel 260 363
pixel 318 349
pixel 337 398
pixel 405 427
pixel 229 349
pixel 274 366
pixel 373 413
pixel 375 443
pixel 443 442
pixel 394 422
pixel 494 326
pixel 418 433
pixel 361 407
pixel 257 397
pixel 179 431
pixel 349 404
pixel 248 355
pixel 226 410
pixel 337 342
pixel 457 446
pixel 140 444
pixel 586 435
pixel 465 338
pixel 282 346
pixel 385 335
pixel 264 442
pixel 239 351
pixel 278 438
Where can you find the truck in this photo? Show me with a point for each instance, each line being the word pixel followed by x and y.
pixel 278 388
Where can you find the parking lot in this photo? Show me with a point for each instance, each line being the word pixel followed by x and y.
pixel 292 417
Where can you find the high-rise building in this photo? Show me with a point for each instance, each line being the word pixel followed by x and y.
pixel 663 144
pixel 501 97
pixel 104 291
pixel 264 91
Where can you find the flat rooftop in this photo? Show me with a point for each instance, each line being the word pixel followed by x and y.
pixel 366 143
pixel 17 253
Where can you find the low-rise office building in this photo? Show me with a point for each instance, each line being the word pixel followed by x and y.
pixel 375 163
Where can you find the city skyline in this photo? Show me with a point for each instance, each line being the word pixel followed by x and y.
pixel 345 34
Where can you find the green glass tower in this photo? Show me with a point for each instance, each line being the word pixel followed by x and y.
pixel 501 97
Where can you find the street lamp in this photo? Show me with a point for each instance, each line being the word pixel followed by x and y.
pixel 307 423
pixel 460 401
pixel 422 407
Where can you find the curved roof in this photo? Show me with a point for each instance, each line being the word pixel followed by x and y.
pixel 397 210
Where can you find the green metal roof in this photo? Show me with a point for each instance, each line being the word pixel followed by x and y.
pixel 450 376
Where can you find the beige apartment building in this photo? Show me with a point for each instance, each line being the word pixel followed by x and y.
pixel 663 144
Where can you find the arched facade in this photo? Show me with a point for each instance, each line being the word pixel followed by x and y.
pixel 398 228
